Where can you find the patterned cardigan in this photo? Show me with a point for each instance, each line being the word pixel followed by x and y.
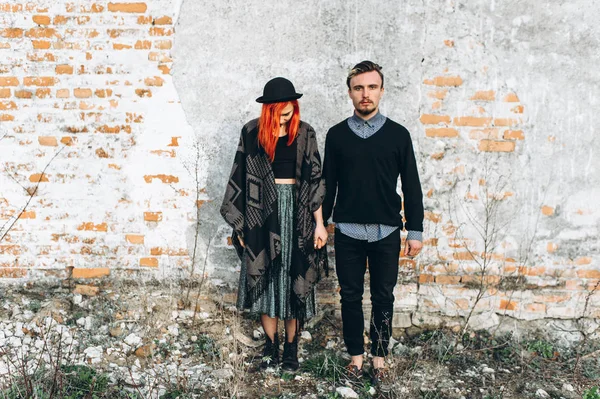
pixel 250 208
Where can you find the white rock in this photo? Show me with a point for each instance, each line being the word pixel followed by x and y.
pixel 222 374
pixel 488 370
pixel 372 391
pixel 77 299
pixel 133 340
pixel 194 338
pixel 540 393
pixel 305 335
pixel 173 330
pixel 346 392
pixel 81 322
pixel 484 321
pixel 257 334
pixel 94 353
pixel 568 388
pixel 330 344
pixel 19 329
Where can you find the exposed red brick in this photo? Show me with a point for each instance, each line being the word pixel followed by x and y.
pixel 135 238
pixel 64 70
pixel 547 210
pixel 90 226
pixel 472 121
pixel 430 119
pixel 449 280
pixel 127 7
pixel 595 274
pixel 149 262
pixel 143 45
pixel 11 33
pixel 9 81
pixel 508 304
pixel 511 98
pixel 163 44
pixel 41 19
pixel 82 93
pixel 426 278
pixel 47 141
pixel 163 178
pixel 513 135
pixel 153 216
pixel 23 94
pixel 496 146
pixel 444 81
pixel 39 81
pixel 121 46
pixel 489 95
pixel 163 21
pixel 39 33
pixel 505 122
pixel 62 93
pixel 5 93
pixel 12 272
pixel 38 177
pixel 96 272
pixel 155 81
pixel 441 132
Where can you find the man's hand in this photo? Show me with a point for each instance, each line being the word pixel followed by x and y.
pixel 412 248
pixel 320 236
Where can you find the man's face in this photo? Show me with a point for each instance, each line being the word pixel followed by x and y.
pixel 365 92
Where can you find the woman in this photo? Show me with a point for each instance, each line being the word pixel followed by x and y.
pixel 273 203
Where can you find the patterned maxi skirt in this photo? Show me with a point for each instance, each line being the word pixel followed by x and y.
pixel 269 303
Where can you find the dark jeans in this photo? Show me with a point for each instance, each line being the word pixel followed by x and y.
pixel 351 258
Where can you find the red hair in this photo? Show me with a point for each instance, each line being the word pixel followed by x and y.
pixel 268 125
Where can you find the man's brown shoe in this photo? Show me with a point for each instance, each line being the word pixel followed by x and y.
pixel 380 379
pixel 353 373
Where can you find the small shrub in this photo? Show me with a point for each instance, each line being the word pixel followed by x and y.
pixel 592 393
pixel 542 348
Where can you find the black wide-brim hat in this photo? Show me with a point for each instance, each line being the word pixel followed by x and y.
pixel 278 90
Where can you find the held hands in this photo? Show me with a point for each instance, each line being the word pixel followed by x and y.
pixel 320 236
pixel 412 248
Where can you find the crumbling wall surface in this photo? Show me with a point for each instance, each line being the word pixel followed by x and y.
pixel 145 102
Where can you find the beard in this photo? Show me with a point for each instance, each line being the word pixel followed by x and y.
pixel 367 110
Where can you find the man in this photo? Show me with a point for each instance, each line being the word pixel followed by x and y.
pixel 364 155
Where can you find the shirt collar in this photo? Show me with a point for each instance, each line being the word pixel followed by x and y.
pixel 376 120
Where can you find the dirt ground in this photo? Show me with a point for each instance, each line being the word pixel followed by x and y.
pixel 151 341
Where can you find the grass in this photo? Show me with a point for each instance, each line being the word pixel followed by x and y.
pixel 327 365
pixel 592 393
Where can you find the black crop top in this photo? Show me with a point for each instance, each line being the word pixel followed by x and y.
pixel 284 164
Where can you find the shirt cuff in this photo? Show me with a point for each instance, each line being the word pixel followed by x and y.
pixel 415 235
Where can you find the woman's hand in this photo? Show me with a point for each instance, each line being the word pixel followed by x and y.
pixel 320 236
pixel 241 242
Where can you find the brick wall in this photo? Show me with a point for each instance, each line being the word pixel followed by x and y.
pixel 90 115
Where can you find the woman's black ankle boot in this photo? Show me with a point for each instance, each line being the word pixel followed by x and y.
pixel 270 356
pixel 289 361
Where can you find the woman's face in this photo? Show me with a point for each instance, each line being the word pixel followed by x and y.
pixel 286 114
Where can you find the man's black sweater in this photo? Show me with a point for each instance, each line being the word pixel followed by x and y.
pixel 364 173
